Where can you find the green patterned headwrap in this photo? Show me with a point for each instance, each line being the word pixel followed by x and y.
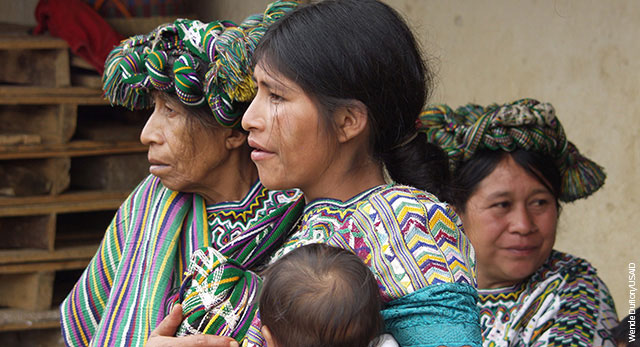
pixel 198 62
pixel 524 124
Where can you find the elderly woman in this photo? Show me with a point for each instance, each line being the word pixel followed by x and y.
pixel 512 166
pixel 203 189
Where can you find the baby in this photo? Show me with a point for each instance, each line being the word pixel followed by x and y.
pixel 319 295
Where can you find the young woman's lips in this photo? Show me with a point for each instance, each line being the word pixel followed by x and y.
pixel 259 153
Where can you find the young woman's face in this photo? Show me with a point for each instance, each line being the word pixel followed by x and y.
pixel 291 146
pixel 185 160
pixel 511 222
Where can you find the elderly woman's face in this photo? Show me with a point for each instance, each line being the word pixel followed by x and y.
pixel 185 159
pixel 511 222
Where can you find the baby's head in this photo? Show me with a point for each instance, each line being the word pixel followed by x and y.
pixel 319 295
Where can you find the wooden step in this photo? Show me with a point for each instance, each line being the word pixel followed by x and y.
pixel 21 256
pixel 25 268
pixel 109 172
pixel 51 123
pixel 30 232
pixel 34 59
pixel 17 38
pixel 15 319
pixel 29 291
pixel 26 177
pixel 72 149
pixel 79 201
pixel 30 95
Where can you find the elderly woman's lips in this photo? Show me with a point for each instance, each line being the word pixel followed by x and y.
pixel 156 167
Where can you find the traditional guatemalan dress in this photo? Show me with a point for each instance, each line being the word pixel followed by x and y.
pixel 124 292
pixel 414 245
pixel 564 303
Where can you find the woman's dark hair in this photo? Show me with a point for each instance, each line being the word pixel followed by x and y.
pixel 341 51
pixel 321 296
pixel 469 174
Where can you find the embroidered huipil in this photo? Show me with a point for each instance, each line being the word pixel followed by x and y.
pixel 414 245
pixel 564 303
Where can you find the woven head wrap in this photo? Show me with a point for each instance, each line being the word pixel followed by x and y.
pixel 524 124
pixel 198 62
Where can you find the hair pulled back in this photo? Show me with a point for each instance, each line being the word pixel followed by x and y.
pixel 339 51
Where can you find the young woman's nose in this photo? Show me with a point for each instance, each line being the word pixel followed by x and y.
pixel 252 119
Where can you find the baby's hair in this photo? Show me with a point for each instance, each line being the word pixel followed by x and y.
pixel 318 295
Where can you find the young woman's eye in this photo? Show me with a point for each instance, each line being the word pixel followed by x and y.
pixel 275 97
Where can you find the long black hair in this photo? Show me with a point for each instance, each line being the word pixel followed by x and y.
pixel 339 51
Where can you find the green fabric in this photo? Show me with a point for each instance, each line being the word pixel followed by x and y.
pixel 199 62
pixel 523 124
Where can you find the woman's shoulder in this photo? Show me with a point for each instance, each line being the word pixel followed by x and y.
pixel 392 190
pixel 405 199
pixel 573 277
pixel 428 227
pixel 565 266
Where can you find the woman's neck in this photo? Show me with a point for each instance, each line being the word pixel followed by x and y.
pixel 346 183
pixel 232 181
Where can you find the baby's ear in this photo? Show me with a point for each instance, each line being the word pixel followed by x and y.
pixel 266 333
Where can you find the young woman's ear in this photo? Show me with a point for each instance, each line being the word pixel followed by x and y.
pixel 351 120
pixel 234 138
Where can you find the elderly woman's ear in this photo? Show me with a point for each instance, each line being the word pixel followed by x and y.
pixel 234 138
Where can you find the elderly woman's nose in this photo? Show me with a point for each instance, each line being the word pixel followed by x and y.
pixel 522 221
pixel 150 133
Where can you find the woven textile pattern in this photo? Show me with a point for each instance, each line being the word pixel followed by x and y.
pixel 124 292
pixel 563 304
pixel 228 220
pixel 523 124
pixel 407 238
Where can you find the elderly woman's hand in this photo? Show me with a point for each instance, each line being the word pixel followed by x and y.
pixel 163 335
